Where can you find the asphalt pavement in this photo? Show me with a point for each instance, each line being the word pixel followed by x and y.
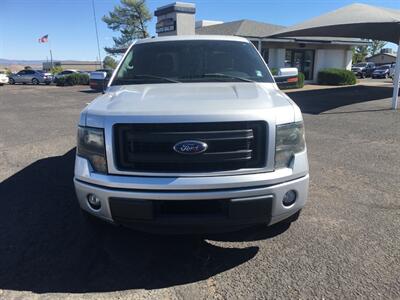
pixel 345 245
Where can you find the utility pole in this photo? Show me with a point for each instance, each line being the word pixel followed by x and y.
pixel 97 34
pixel 51 59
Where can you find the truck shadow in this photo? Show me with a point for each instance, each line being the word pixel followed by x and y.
pixel 319 101
pixel 45 246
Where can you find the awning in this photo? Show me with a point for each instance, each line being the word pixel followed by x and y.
pixel 355 21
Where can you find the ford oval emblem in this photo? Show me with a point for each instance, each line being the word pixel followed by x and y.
pixel 190 147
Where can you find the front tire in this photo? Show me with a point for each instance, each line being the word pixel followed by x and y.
pixel 35 81
pixel 11 81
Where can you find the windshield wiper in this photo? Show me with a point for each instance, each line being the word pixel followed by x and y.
pixel 156 77
pixel 226 76
pixel 136 78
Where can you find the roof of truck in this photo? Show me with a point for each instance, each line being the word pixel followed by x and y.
pixel 193 37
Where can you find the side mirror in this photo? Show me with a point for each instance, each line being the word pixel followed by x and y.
pixel 104 83
pixel 286 77
pixel 288 72
pixel 100 76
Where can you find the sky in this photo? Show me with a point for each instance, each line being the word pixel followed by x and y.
pixel 71 30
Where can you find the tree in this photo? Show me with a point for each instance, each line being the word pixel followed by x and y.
pixel 109 62
pixel 56 69
pixel 130 19
pixel 376 47
pixel 8 72
pixel 360 53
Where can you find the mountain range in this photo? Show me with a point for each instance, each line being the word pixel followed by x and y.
pixel 6 62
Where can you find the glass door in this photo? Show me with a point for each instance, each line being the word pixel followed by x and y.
pixel 301 59
pixel 308 64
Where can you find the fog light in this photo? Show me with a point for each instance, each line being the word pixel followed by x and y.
pixel 94 201
pixel 289 198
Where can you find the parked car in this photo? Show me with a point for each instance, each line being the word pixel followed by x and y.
pixel 96 80
pixel 381 72
pixel 192 133
pixel 3 78
pixel 31 76
pixel 63 74
pixel 364 69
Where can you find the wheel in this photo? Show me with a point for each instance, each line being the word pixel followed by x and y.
pixel 363 75
pixel 48 83
pixel 386 76
pixel 35 81
pixel 11 81
pixel 1 84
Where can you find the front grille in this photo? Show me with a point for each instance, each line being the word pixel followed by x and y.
pixel 150 147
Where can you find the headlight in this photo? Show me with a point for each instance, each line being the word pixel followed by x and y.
pixel 91 146
pixel 289 141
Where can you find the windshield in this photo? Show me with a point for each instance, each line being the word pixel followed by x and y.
pixel 383 68
pixel 360 65
pixel 192 61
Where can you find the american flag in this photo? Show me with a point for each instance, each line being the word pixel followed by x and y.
pixel 44 39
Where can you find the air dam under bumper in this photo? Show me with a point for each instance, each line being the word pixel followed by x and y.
pixel 200 209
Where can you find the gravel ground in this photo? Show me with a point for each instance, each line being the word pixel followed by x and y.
pixel 345 245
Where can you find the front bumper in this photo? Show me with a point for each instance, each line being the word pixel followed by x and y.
pixel 379 75
pixel 236 207
pixel 184 204
pixel 358 72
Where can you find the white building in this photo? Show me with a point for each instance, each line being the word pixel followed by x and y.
pixel 308 54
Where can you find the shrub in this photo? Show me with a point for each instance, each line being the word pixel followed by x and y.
pixel 73 79
pixel 274 71
pixel 295 85
pixel 60 81
pixel 300 80
pixel 334 76
pixel 56 69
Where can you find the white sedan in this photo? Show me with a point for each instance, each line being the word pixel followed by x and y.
pixel 3 78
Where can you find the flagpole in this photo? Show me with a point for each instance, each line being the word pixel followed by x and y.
pixel 51 55
pixel 97 34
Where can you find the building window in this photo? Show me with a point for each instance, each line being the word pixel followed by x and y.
pixel 301 59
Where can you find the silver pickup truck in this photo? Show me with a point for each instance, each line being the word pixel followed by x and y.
pixel 192 133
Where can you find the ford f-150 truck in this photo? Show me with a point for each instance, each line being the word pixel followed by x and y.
pixel 192 133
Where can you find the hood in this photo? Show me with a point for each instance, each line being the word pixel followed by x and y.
pixel 185 100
